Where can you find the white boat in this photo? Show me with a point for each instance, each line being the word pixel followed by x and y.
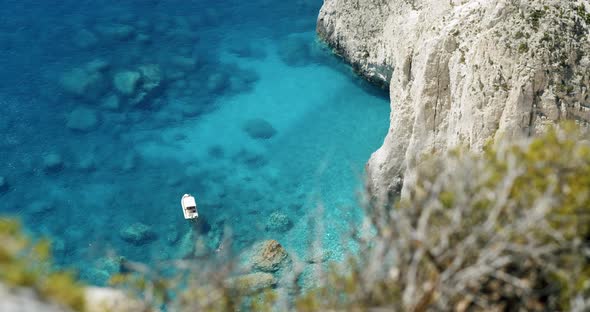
pixel 189 207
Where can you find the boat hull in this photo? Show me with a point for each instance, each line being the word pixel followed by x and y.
pixel 189 207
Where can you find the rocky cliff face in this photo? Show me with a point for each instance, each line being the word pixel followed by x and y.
pixel 462 71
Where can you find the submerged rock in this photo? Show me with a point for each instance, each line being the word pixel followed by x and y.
pixel 191 110
pixel 4 186
pixel 143 38
pixel 85 39
pixel 278 222
pixel 102 269
pixel 138 234
pixel 116 31
pixel 242 80
pixel 97 65
pixel 126 82
pixel 183 62
pixel 173 180
pixel 82 119
pixel 151 75
pixel 247 49
pixel 268 256
pixel 173 236
pixel 83 83
pixel 202 248
pixel 40 207
pixel 173 74
pixel 251 283
pixel 58 247
pixel 52 162
pixel 87 162
pixel 216 152
pixel 250 158
pixel 151 83
pixel 295 50
pixel 186 247
pixel 111 102
pixel 192 171
pixel 217 82
pixel 129 161
pixel 258 128
pixel 194 243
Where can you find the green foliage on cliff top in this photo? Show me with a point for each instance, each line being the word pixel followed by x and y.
pixel 26 263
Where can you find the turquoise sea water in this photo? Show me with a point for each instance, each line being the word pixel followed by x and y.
pixel 111 110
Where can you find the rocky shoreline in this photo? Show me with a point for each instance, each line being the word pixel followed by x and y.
pixel 464 72
pixel 346 36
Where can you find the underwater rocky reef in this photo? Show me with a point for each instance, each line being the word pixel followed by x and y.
pixel 271 115
pixel 112 111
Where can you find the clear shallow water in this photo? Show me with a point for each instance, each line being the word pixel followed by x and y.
pixel 220 64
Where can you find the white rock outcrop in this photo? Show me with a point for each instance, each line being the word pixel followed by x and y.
pixel 462 71
pixel 97 299
pixel 25 300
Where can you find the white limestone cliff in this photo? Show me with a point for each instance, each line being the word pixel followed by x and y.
pixel 462 71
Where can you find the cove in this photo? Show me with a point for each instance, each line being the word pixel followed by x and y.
pixel 111 111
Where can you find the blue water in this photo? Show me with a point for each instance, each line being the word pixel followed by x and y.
pixel 221 64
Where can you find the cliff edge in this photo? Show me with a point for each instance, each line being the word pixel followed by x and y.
pixel 462 71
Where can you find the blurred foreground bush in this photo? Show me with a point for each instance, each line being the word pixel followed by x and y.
pixel 508 229
pixel 26 263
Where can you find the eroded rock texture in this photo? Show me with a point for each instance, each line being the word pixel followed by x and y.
pixel 462 72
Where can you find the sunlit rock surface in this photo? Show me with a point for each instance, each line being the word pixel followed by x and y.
pixel 464 72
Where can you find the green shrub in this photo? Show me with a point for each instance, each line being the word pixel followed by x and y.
pixel 535 18
pixel 26 263
pixel 508 228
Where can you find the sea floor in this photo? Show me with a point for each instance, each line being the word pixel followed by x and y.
pixel 110 112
